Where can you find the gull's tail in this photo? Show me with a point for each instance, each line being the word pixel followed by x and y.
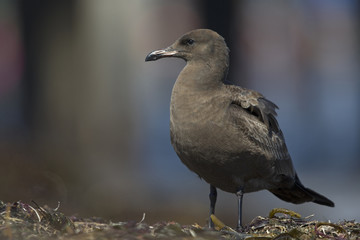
pixel 298 193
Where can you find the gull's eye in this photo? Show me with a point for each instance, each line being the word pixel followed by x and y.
pixel 188 41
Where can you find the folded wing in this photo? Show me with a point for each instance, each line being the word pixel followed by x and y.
pixel 256 116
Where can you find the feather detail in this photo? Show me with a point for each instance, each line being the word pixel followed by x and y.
pixel 256 104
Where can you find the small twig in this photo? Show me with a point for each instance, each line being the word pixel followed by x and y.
pixel 310 216
pixel 41 210
pixel 143 218
pixel 37 214
pixel 58 206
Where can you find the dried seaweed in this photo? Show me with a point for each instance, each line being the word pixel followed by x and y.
pixel 24 221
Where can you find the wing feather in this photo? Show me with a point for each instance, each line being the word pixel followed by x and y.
pixel 257 117
pixel 256 104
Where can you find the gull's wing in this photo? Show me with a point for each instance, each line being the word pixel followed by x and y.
pixel 256 116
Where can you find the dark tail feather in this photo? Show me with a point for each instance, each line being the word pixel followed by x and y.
pixel 320 199
pixel 298 193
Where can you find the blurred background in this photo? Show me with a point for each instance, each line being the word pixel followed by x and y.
pixel 85 121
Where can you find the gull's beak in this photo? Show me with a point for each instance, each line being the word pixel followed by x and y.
pixel 155 55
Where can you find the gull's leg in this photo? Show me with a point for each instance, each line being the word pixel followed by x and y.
pixel 239 195
pixel 212 196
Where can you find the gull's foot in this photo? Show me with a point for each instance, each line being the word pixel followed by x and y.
pixel 240 229
pixel 211 224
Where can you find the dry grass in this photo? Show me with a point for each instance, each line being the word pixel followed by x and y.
pixel 30 221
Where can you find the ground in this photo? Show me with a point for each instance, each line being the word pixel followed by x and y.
pixel 29 221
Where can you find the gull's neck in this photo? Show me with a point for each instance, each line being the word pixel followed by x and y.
pixel 203 75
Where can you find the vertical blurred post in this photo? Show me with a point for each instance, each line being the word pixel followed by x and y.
pixel 223 17
pixel 33 18
pixel 11 71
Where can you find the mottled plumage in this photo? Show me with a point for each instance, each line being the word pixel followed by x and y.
pixel 227 134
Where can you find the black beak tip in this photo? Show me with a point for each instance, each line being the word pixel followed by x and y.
pixel 150 57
